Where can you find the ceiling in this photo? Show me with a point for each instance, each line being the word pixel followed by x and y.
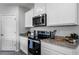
pixel 25 5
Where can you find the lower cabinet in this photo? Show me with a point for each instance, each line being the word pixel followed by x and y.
pixel 50 49
pixel 24 44
pixel 46 51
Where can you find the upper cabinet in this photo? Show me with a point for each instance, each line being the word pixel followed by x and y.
pixel 39 8
pixel 28 18
pixel 59 14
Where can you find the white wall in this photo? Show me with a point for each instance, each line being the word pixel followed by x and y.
pixel 9 10
pixel 22 19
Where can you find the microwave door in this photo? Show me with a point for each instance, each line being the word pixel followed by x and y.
pixel 40 20
pixel 36 21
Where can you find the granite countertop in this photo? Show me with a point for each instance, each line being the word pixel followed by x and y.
pixel 60 42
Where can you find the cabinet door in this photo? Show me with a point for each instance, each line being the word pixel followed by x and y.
pixel 49 51
pixel 28 18
pixel 39 8
pixel 24 44
pixel 21 43
pixel 61 14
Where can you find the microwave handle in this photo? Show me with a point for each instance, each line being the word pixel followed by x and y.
pixel 41 20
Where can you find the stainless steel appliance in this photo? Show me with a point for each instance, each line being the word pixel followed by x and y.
pixel 46 34
pixel 40 20
pixel 34 46
pixel 43 34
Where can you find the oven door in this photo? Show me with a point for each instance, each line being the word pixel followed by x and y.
pixel 34 47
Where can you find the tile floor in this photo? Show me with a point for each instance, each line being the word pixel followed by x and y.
pixel 11 53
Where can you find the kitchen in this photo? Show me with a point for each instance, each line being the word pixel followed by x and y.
pixel 62 17
pixel 41 28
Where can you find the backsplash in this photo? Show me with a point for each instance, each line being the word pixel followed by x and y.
pixel 62 31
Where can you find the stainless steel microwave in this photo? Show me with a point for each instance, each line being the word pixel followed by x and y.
pixel 40 20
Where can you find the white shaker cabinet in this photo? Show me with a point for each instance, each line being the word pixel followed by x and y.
pixel 52 49
pixel 24 44
pixel 46 50
pixel 61 14
pixel 39 8
pixel 28 18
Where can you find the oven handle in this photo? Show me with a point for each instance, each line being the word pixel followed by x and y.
pixel 35 41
